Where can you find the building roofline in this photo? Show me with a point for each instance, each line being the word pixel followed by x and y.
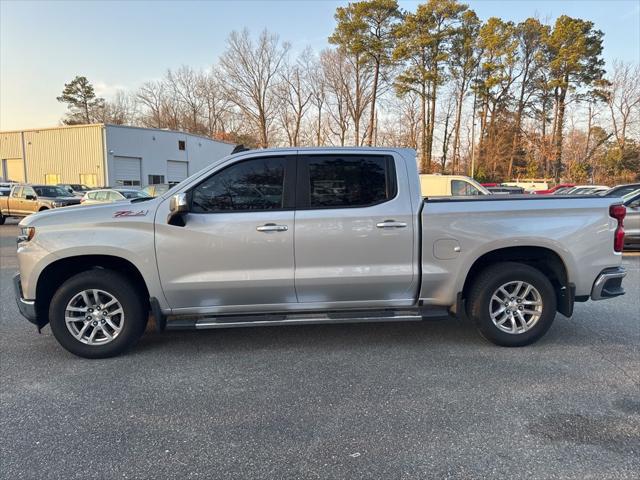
pixel 101 125
pixel 169 131
pixel 59 127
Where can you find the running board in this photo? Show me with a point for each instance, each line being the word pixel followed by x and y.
pixel 269 320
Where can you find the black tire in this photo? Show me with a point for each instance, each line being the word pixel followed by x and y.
pixel 2 218
pixel 488 282
pixel 135 315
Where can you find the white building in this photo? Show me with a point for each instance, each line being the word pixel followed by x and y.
pixel 103 154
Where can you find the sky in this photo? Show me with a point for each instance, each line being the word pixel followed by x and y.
pixel 121 44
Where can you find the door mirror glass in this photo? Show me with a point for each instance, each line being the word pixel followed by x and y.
pixel 30 197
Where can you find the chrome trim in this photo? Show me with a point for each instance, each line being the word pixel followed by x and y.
pixel 306 320
pixel 272 227
pixel 603 278
pixel 391 224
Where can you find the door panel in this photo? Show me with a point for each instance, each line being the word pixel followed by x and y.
pixel 236 245
pixel 223 260
pixel 355 253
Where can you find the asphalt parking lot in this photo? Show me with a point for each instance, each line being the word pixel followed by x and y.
pixel 380 401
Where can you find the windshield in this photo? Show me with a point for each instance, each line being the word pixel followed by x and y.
pixel 51 191
pixel 134 194
pixel 630 196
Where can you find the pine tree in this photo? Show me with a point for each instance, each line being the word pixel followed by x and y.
pixel 81 101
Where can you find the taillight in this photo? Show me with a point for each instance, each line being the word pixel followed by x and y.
pixel 618 212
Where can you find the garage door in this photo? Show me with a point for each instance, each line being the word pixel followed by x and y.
pixel 126 171
pixel 13 169
pixel 176 171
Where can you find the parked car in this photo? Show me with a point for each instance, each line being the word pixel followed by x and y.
pixel 220 253
pixel 76 189
pixel 555 189
pixel 562 191
pixel 632 219
pixel 504 190
pixel 586 189
pixel 24 200
pixel 621 190
pixel 529 186
pixel 158 189
pixel 110 195
pixel 435 185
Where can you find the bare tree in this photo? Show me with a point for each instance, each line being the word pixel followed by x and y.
pixel 121 110
pixel 184 84
pixel 318 89
pixel 622 96
pixel 217 107
pixel 249 74
pixel 295 94
pixel 151 96
pixel 336 71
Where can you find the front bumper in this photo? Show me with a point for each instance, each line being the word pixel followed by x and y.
pixel 608 284
pixel 27 307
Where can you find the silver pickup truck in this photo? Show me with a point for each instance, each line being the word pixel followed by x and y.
pixel 305 236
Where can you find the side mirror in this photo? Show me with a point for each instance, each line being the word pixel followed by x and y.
pixel 30 197
pixel 178 204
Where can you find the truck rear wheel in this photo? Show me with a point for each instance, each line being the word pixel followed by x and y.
pixel 2 217
pixel 97 314
pixel 512 304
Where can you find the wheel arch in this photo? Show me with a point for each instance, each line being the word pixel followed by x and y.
pixel 542 258
pixel 54 274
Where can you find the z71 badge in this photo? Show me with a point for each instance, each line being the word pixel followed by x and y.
pixel 130 213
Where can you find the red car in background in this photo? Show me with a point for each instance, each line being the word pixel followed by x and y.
pixel 553 190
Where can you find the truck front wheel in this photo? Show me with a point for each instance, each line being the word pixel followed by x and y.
pixel 97 314
pixel 512 304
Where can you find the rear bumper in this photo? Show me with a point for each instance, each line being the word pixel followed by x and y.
pixel 27 307
pixel 608 284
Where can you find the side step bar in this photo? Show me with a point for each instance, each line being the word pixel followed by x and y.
pixel 269 320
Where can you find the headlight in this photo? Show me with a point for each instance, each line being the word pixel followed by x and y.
pixel 26 234
pixel 57 204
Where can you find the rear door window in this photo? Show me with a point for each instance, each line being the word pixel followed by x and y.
pixel 345 181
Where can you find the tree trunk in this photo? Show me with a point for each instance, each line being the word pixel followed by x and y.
pixel 424 168
pixel 319 124
pixel 456 134
pixel 432 121
pixel 558 133
pixel 374 94
pixel 516 133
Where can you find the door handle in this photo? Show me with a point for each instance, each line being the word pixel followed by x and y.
pixel 391 224
pixel 272 227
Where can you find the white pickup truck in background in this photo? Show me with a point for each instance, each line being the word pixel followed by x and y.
pixel 299 236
